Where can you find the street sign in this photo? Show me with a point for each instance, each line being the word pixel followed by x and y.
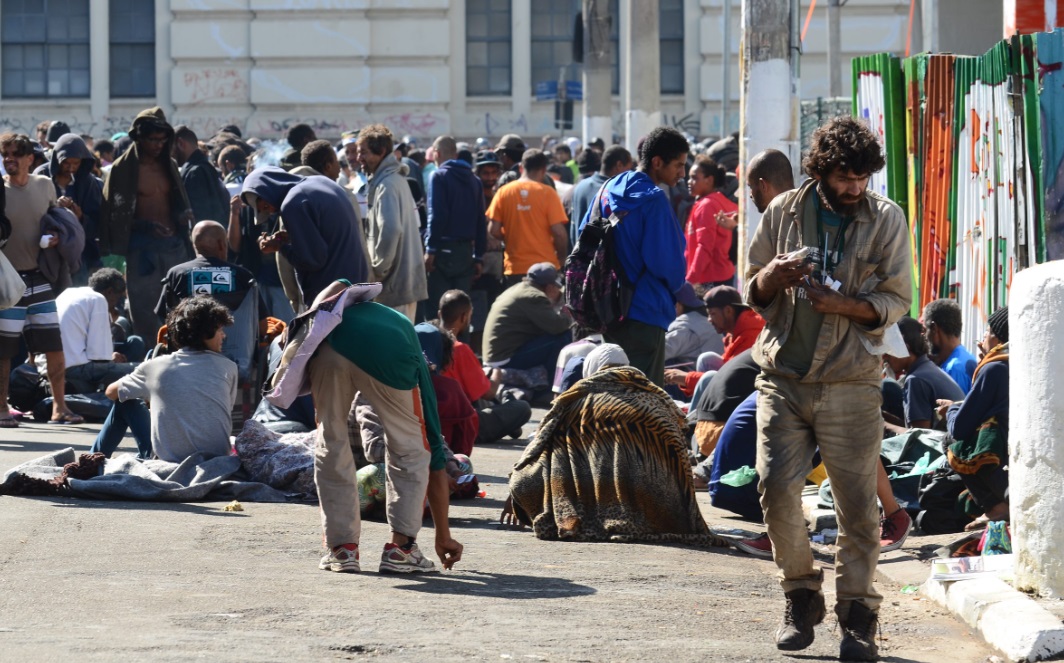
pixel 548 90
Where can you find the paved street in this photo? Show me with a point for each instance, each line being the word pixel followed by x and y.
pixel 109 581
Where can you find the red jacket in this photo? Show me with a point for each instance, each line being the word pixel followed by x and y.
pixel 707 243
pixel 747 327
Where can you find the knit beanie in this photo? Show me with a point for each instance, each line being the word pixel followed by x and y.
pixel 999 324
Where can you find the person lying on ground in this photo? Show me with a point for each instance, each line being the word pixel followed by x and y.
pixel 609 463
pixel 191 391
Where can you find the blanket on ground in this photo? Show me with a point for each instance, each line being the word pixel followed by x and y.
pixel 126 477
pixel 610 463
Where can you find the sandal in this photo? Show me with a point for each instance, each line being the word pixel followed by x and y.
pixel 68 418
pixel 9 422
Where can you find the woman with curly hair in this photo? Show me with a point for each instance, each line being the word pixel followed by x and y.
pixel 191 392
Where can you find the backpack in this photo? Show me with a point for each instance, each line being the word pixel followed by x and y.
pixel 597 291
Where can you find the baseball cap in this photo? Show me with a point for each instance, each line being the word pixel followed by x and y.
pixel 723 295
pixel 543 273
pixel 348 137
pixel 511 142
pixel 487 158
pixel 687 297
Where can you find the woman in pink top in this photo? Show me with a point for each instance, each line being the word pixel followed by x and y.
pixel 708 243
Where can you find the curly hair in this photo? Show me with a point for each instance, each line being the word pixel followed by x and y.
pixel 196 319
pixel 378 139
pixel 846 143
pixel 664 142
pixel 107 278
pixel 21 143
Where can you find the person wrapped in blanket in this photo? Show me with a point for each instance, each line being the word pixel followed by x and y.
pixel 979 426
pixel 609 463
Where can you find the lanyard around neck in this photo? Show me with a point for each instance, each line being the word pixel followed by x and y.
pixel 830 261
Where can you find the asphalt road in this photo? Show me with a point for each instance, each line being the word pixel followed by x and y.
pixel 119 581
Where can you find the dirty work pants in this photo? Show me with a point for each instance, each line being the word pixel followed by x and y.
pixel 843 419
pixel 334 381
pixel 147 262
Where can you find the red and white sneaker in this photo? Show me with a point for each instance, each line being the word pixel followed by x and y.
pixel 396 559
pixel 341 559
pixel 759 546
pixel 894 529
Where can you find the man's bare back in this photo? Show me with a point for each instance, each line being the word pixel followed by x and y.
pixel 153 197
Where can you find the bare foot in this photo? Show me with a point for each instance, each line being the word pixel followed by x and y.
pixel 999 511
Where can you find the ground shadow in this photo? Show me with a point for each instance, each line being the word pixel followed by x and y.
pixel 206 509
pixel 883 659
pixel 496 585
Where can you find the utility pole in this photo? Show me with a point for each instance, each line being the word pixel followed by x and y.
pixel 642 59
pixel 769 98
pixel 598 115
pixel 834 50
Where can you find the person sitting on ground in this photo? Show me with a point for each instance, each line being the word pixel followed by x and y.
pixel 458 419
pixel 731 385
pixel 524 330
pixel 92 362
pixel 924 383
pixel 691 334
pixel 572 357
pixel 737 322
pixel 375 352
pixel 609 463
pixel 942 322
pixel 496 419
pixel 111 284
pixel 980 427
pixel 191 391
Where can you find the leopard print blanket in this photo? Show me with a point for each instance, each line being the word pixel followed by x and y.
pixel 609 463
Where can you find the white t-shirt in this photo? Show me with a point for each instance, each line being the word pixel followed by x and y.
pixel 85 326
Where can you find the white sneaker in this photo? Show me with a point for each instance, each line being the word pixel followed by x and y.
pixel 395 560
pixel 341 559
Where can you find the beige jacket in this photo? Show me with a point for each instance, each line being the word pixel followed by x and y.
pixel 877 267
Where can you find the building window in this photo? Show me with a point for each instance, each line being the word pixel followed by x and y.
pixel 488 47
pixel 670 16
pixel 132 48
pixel 46 48
pixel 552 41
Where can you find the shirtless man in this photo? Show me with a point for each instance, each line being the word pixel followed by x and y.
pixel 146 216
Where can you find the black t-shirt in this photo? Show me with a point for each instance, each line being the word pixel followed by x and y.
pixel 226 282
pixel 729 387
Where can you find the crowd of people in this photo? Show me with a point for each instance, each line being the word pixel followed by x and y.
pixel 155 263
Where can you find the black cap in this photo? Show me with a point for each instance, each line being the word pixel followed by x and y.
pixel 999 324
pixel 56 130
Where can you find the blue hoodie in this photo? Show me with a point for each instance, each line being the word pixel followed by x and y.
pixel 86 190
pixel 649 245
pixel 325 240
pixel 456 209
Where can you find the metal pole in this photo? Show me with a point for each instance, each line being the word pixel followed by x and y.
pixel 725 63
pixel 834 50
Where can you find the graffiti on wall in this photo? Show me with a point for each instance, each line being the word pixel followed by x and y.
pixel 215 84
pixel 688 124
pixel 109 125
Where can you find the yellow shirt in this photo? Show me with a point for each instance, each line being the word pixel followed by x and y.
pixel 527 210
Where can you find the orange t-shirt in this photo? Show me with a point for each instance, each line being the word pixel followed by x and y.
pixel 526 211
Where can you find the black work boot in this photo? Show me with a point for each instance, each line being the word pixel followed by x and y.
pixel 859 634
pixel 805 609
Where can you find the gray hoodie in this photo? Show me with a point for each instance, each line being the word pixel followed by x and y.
pixel 393 236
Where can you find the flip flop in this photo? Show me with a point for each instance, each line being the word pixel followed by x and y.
pixel 8 422
pixel 68 418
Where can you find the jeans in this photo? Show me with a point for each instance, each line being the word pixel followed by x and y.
pixel 540 351
pixel 125 415
pixel 148 261
pixel 89 377
pixel 453 269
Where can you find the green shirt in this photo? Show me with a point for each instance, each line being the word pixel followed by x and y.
pixel 798 350
pixel 382 342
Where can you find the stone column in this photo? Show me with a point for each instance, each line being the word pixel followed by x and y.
pixel 1036 427
pixel 597 83
pixel 642 55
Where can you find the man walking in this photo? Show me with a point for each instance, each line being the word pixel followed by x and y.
pixel 456 235
pixel 393 228
pixel 146 216
pixel 650 248
pixel 820 383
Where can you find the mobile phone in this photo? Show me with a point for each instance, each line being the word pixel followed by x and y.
pixel 800 254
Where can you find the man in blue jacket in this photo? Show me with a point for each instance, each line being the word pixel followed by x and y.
pixel 322 238
pixel 456 235
pixel 650 248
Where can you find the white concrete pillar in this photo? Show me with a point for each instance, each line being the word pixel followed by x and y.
pixel 1036 427
pixel 99 60
pixel 642 55
pixel 521 72
pixel 598 96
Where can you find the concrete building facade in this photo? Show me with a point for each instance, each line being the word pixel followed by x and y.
pixel 423 67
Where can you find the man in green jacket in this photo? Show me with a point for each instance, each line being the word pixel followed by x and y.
pixel 376 352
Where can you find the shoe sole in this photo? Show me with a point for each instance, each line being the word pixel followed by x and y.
pixel 756 552
pixel 406 569
pixel 340 567
pixel 901 541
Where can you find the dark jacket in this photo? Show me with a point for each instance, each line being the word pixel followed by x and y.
pixel 456 213
pixel 649 245
pixel 86 190
pixel 325 240
pixel 203 185
pixel 119 209
pixel 57 263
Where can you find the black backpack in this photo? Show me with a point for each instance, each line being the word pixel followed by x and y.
pixel 597 291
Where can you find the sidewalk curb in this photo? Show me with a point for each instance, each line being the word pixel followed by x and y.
pixel 1008 620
